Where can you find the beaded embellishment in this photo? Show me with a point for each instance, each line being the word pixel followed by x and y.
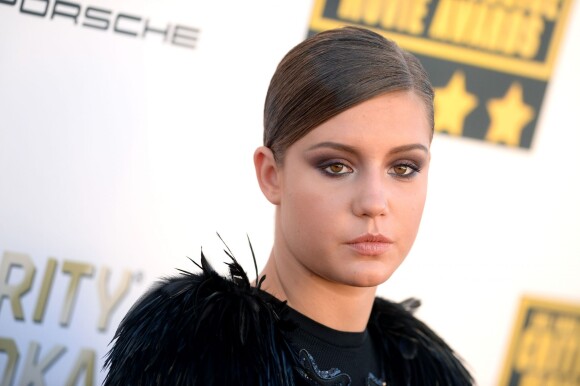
pixel 312 374
pixel 316 377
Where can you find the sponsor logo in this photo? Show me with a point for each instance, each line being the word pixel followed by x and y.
pixel 97 18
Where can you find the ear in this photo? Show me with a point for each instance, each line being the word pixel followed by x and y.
pixel 267 173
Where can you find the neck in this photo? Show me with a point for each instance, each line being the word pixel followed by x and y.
pixel 338 306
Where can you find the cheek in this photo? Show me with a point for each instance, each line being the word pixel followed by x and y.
pixel 406 201
pixel 413 211
pixel 309 210
pixel 304 204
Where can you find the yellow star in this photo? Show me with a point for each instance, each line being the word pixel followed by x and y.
pixel 509 115
pixel 452 104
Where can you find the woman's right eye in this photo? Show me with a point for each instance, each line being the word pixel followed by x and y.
pixel 336 169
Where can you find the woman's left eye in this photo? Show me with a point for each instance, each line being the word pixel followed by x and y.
pixel 403 170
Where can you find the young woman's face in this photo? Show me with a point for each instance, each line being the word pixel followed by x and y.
pixel 352 191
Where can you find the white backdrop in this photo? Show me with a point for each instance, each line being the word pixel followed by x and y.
pixel 124 154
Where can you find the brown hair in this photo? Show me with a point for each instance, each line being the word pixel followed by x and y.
pixel 331 72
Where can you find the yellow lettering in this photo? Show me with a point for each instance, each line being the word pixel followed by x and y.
pixel 411 15
pixel 531 34
pixel 416 12
pixel 567 332
pixel 554 353
pixel 549 351
pixel 350 9
pixel 372 12
pixel 461 11
pixel 33 370
pixel 108 303
pixel 441 20
pixel 389 14
pixel 44 290
pixel 495 32
pixel 510 31
pixel 533 348
pixel 85 363
pixel 549 9
pixel 476 34
pixel 8 346
pixel 512 25
pixel 10 261
pixel 465 22
pixel 77 271
pixel 399 15
pixel 402 14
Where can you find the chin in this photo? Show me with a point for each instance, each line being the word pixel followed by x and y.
pixel 369 282
pixel 371 277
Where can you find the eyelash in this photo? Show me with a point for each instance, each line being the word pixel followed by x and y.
pixel 414 170
pixel 323 167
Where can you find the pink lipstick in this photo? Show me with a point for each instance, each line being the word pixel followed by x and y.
pixel 370 245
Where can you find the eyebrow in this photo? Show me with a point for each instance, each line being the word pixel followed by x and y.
pixel 352 150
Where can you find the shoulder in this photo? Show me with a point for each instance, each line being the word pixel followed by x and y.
pixel 414 353
pixel 199 329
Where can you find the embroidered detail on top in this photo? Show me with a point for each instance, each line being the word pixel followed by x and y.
pixel 316 377
pixel 374 381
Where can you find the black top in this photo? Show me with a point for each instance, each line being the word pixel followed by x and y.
pixel 333 351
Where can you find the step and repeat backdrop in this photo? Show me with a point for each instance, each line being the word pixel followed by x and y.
pixel 127 130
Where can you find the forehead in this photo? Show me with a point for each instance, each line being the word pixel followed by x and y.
pixel 391 119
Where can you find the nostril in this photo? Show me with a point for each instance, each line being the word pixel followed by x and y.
pixel 370 206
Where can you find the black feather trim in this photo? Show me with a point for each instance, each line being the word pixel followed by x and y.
pixel 205 329
pixel 414 354
pixel 202 329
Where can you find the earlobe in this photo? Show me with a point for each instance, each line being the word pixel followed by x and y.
pixel 267 173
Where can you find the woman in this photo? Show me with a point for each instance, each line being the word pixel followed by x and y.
pixel 347 129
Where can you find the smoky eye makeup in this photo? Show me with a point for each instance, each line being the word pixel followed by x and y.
pixel 408 166
pixel 330 163
pixel 320 157
pixel 335 168
pixel 404 170
pixel 402 165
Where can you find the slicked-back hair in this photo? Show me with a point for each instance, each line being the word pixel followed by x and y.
pixel 331 72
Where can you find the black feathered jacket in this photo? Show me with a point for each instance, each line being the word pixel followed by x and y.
pixel 205 329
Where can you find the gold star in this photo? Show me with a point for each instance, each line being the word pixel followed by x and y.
pixel 452 104
pixel 509 115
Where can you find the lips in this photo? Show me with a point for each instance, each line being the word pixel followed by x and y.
pixel 370 245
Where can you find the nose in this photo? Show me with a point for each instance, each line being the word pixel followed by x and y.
pixel 371 196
